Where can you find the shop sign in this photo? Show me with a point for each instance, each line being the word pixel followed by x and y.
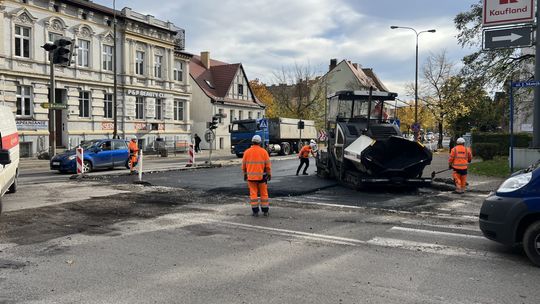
pixel 32 124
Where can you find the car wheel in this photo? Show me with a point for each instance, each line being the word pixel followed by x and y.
pixel 13 187
pixel 239 155
pixel 87 166
pixel 531 242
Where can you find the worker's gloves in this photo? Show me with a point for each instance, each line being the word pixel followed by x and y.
pixel 245 177
pixel 268 177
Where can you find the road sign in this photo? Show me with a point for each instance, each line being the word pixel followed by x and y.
pixel 524 84
pixel 263 124
pixel 415 127
pixel 209 136
pixel 498 12
pixel 508 37
pixel 54 106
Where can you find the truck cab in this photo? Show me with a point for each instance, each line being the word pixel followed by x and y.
pixel 243 130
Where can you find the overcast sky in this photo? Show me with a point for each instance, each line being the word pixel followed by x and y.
pixel 265 35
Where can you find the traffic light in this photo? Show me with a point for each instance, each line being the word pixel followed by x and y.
pixel 62 53
pixel 49 47
pixel 300 125
pixel 214 123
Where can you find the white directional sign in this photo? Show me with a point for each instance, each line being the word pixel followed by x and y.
pixel 508 37
pixel 498 12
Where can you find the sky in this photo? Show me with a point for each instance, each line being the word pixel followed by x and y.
pixel 268 35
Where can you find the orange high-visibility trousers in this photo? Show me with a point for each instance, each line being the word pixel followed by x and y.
pixel 256 188
pixel 460 181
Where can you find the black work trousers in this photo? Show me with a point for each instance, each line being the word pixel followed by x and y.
pixel 303 160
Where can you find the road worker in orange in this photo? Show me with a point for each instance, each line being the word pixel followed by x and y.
pixel 460 157
pixel 303 155
pixel 257 172
pixel 133 154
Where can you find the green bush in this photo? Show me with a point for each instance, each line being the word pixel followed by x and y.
pixel 486 150
pixel 501 140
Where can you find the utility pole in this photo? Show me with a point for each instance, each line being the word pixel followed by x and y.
pixel 536 108
pixel 115 84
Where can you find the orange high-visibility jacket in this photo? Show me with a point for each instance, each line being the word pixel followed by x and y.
pixel 304 152
pixel 256 163
pixel 133 148
pixel 460 157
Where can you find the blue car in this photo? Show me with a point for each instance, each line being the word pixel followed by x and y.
pixel 98 154
pixel 511 216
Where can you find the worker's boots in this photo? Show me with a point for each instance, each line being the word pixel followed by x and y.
pixel 255 211
pixel 265 211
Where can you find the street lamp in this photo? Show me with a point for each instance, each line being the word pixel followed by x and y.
pixel 115 72
pixel 416 129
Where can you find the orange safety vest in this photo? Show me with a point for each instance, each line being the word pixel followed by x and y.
pixel 133 149
pixel 304 152
pixel 256 163
pixel 460 157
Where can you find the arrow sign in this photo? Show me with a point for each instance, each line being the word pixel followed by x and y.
pixel 512 37
pixel 508 37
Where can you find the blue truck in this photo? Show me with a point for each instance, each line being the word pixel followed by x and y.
pixel 279 135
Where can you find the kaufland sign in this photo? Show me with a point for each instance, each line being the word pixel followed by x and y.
pixel 498 12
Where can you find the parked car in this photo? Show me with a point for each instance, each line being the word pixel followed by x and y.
pixel 512 215
pixel 98 154
pixel 9 153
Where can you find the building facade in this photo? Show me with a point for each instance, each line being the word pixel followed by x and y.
pixel 220 88
pixel 153 93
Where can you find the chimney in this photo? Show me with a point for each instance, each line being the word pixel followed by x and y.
pixel 205 59
pixel 355 65
pixel 333 64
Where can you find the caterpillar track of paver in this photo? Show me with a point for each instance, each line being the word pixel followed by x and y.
pixel 364 147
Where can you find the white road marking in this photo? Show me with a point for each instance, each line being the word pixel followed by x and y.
pixel 434 232
pixel 431 248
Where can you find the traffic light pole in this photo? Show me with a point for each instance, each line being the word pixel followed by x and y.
pixel 52 118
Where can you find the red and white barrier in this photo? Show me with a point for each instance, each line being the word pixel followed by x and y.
pixel 191 159
pixel 80 160
pixel 140 164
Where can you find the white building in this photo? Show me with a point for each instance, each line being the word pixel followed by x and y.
pixel 153 93
pixel 220 87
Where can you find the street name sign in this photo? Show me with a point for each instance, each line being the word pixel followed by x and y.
pixel 499 12
pixel 508 37
pixel 525 84
pixel 54 106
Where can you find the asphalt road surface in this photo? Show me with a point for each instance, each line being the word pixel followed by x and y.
pixel 190 238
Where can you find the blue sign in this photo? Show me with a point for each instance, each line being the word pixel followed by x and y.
pixel 524 84
pixel 396 122
pixel 416 127
pixel 263 124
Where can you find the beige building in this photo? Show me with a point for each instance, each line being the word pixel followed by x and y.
pixel 153 94
pixel 220 87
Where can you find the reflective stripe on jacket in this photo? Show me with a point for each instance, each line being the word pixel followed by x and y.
pixel 304 152
pixel 460 157
pixel 256 163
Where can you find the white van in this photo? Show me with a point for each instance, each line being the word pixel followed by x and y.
pixel 9 153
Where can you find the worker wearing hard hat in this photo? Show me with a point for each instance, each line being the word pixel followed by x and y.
pixel 303 155
pixel 460 157
pixel 257 172
pixel 133 153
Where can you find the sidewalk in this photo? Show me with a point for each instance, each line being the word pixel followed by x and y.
pixel 476 182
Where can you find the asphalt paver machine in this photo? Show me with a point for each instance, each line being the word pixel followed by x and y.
pixel 364 147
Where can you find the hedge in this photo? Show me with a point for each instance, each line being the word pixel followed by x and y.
pixel 501 140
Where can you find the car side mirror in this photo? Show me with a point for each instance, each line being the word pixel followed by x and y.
pixel 5 158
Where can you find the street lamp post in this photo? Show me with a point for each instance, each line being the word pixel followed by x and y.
pixel 115 84
pixel 417 129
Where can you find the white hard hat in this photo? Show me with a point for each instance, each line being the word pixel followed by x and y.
pixel 256 139
pixel 313 142
pixel 460 141
pixel 133 137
